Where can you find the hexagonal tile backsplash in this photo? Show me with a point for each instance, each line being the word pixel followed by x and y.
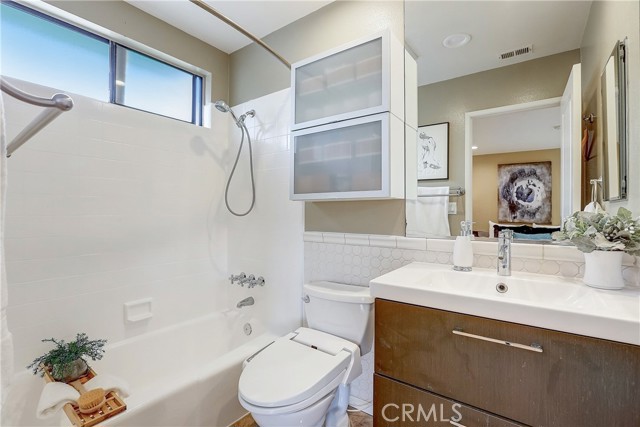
pixel 356 259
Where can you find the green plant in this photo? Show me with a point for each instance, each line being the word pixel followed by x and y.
pixel 61 358
pixel 602 231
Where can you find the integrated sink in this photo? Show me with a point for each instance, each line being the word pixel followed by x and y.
pixel 486 284
pixel 551 302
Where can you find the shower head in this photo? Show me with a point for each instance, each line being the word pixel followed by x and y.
pixel 222 106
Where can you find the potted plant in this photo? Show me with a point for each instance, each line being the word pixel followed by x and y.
pixel 66 362
pixel 603 238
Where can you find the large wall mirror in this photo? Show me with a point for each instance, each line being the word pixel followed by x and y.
pixel 613 87
pixel 510 64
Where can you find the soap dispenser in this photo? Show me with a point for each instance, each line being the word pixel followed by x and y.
pixel 462 250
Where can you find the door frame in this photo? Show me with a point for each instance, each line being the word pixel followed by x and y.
pixel 468 140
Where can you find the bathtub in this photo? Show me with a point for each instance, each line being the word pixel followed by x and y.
pixel 183 375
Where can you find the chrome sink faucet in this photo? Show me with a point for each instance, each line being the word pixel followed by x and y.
pixel 504 252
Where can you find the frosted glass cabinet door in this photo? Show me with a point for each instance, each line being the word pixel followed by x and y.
pixel 341 83
pixel 345 160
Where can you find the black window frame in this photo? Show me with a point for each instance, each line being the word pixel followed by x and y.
pixel 197 84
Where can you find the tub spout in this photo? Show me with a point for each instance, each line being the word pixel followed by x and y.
pixel 245 302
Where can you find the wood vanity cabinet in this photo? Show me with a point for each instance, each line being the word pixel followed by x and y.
pixel 574 381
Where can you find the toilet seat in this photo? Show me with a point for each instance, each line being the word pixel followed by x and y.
pixel 326 391
pixel 295 371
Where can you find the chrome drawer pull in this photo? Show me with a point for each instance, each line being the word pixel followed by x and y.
pixel 533 347
pixel 453 423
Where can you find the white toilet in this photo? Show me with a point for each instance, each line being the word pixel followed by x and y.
pixel 302 379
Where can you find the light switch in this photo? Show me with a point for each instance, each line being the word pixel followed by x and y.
pixel 453 208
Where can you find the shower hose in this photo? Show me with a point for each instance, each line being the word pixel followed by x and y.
pixel 244 130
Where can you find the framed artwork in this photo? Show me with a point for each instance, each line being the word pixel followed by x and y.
pixel 433 151
pixel 524 193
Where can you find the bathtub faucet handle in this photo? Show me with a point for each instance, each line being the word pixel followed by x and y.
pixel 255 282
pixel 237 278
pixel 248 279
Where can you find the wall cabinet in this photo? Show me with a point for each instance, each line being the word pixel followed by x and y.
pixel 354 80
pixel 541 378
pixel 353 159
pixel 347 138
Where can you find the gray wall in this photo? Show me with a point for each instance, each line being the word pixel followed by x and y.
pixel 131 22
pixel 256 73
pixel 610 21
pixel 448 101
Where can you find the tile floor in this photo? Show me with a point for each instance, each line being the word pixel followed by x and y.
pixel 360 419
pixel 357 419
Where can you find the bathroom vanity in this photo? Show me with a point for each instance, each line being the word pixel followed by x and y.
pixel 435 366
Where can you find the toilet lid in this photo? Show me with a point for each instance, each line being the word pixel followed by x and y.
pixel 288 372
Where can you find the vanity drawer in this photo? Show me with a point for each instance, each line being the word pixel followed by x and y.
pixel 575 380
pixel 398 404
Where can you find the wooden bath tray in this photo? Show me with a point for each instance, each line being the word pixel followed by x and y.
pixel 113 404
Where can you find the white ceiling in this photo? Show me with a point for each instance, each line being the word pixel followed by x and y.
pixel 517 131
pixel 258 17
pixel 495 26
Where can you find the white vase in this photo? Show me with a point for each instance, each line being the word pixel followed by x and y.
pixel 603 269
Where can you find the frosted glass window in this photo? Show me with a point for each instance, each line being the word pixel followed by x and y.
pixel 54 54
pixel 147 84
pixel 339 160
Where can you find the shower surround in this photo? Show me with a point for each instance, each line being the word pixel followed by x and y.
pixel 109 205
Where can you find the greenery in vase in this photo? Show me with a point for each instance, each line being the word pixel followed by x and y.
pixel 61 358
pixel 602 231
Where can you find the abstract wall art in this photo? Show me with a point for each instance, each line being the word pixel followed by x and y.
pixel 524 193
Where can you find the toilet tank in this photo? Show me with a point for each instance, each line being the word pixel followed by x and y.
pixel 342 310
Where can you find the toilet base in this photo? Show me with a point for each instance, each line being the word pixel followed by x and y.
pixel 312 416
pixel 344 421
pixel 337 414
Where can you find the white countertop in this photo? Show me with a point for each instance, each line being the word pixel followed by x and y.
pixel 544 301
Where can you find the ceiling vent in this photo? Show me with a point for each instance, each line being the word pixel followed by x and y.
pixel 516 52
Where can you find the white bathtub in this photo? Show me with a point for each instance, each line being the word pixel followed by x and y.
pixel 183 375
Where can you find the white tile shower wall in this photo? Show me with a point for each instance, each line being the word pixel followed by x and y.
pixel 107 205
pixel 267 242
pixel 364 257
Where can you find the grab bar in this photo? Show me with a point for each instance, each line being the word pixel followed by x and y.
pixel 55 106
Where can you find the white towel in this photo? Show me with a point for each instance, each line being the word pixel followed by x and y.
pixel 108 383
pixel 428 216
pixel 53 397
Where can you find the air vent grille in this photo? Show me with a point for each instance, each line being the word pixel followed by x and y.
pixel 516 52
